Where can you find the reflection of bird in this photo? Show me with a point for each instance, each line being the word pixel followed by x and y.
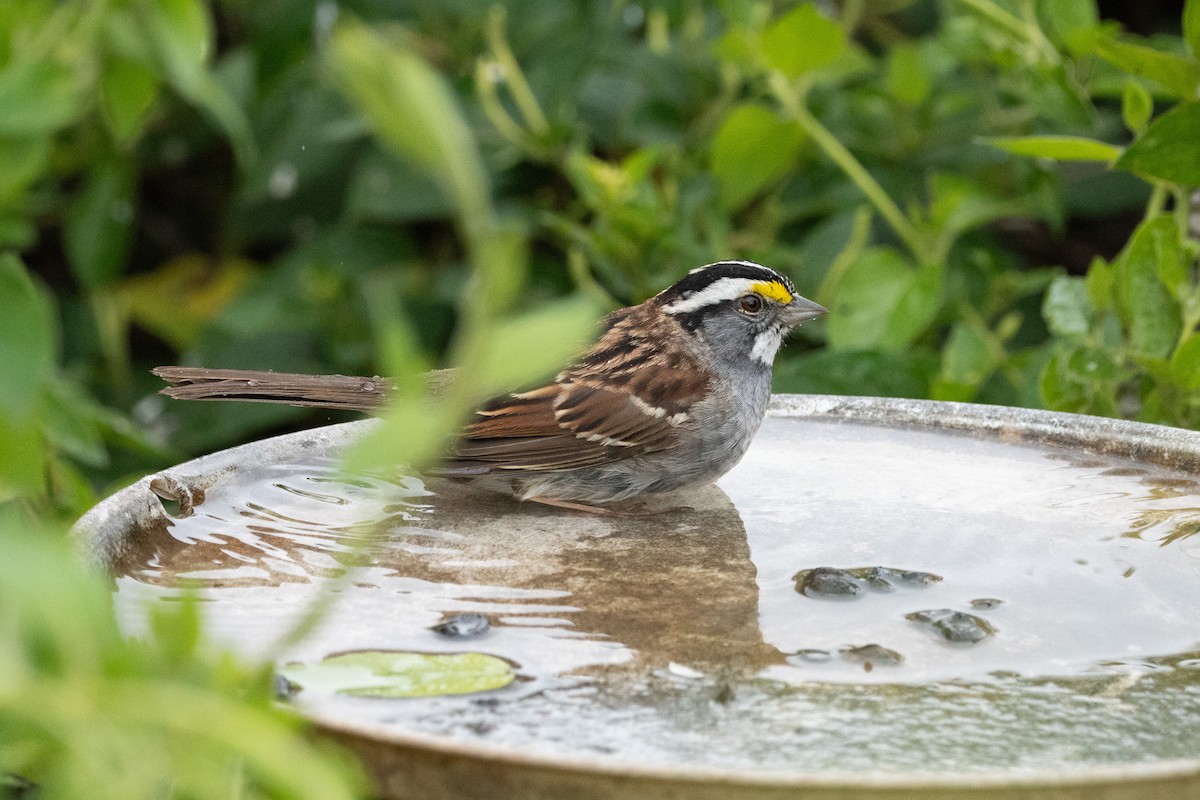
pixel 669 397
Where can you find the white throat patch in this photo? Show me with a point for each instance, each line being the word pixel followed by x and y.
pixel 766 345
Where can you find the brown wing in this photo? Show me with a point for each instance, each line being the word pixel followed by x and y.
pixel 623 398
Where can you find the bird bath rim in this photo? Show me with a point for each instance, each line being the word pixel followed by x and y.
pixel 103 532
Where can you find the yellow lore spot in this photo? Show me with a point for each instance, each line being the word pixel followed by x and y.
pixel 774 290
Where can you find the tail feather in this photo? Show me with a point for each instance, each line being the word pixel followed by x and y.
pixel 318 391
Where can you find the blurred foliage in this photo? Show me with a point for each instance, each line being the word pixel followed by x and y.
pixel 86 712
pixel 994 197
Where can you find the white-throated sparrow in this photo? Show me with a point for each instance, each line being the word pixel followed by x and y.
pixel 670 396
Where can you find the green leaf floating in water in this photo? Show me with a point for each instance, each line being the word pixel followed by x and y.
pixel 381 673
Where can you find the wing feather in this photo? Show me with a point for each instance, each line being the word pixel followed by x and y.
pixel 623 398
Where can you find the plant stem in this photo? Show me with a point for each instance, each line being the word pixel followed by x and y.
pixel 493 109
pixel 1021 29
pixel 1158 199
pixel 791 98
pixel 522 95
pixel 112 328
pixel 860 231
pixel 1183 211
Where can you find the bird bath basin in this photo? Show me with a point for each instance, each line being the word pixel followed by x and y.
pixel 708 652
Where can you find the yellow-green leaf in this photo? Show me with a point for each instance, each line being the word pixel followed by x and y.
pixel 382 673
pixel 128 90
pixel 534 345
pixel 801 41
pixel 1061 148
pixel 1191 25
pixel 908 79
pixel 1185 363
pixel 178 299
pixel 1177 74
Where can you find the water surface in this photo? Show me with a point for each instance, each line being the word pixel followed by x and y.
pixel 681 638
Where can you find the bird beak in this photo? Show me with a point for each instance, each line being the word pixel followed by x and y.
pixel 801 309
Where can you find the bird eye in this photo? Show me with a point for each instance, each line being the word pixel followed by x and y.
pixel 751 304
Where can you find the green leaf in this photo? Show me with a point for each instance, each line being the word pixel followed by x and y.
pixel 1178 75
pixel 17 232
pixel 1067 309
pixel 1168 150
pixel 967 361
pixel 380 673
pixel 753 148
pixel 1061 148
pixel 534 345
pixel 858 372
pixel 24 159
pixel 908 80
pixel 99 224
pixel 128 90
pixel 1100 279
pixel 883 303
pixel 959 204
pixel 38 98
pixel 1191 25
pixel 385 188
pixel 379 79
pixel 414 431
pixel 801 41
pixel 1057 391
pixel 68 423
pixel 1081 379
pixel 737 46
pixel 187 28
pixel 26 342
pixel 22 456
pixel 1093 365
pixel 1149 312
pixel 1066 20
pixel 1185 363
pixel 180 34
pixel 1136 105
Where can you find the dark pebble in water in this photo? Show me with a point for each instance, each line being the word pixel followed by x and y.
pixel 872 654
pixel 463 626
pixel 285 689
pixel 845 583
pixel 877 578
pixel 921 579
pixel 827 582
pixel 953 626
pixel 984 603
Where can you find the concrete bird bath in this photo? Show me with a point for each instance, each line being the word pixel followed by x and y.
pixel 696 653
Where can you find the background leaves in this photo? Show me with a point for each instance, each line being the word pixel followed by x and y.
pixel 994 197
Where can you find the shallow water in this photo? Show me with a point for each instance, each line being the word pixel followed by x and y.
pixel 681 638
